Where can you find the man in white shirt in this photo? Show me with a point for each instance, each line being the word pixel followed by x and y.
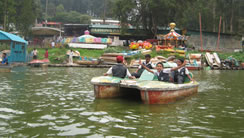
pixel 53 44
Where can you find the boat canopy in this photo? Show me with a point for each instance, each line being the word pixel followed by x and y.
pixel 4 36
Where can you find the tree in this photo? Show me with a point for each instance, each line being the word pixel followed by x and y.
pixel 7 14
pixel 60 8
pixel 149 14
pixel 85 19
pixel 25 16
pixel 38 10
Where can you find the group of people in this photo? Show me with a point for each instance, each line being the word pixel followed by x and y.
pixel 174 75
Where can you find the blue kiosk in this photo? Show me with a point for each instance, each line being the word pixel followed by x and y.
pixel 18 47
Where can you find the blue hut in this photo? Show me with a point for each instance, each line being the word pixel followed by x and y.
pixel 18 47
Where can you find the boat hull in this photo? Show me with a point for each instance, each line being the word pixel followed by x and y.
pixel 5 69
pixel 193 68
pixel 166 97
pixel 150 92
pixel 106 91
pixel 87 62
pixel 38 63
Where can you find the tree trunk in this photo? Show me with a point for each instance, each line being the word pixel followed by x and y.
pixel 214 15
pixel 5 15
pixel 231 18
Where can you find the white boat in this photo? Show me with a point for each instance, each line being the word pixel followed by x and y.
pixel 213 60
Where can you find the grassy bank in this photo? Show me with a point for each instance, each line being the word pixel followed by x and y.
pixel 238 55
pixel 58 55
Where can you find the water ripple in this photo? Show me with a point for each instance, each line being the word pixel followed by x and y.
pixel 58 102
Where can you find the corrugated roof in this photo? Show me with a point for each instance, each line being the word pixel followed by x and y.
pixel 109 26
pixel 105 26
pixel 12 37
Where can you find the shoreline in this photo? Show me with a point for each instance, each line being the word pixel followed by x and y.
pixel 108 66
pixel 104 66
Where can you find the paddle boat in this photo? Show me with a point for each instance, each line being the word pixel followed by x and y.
pixel 87 61
pixel 5 68
pixel 195 62
pixel 149 89
pixel 38 63
pixel 213 60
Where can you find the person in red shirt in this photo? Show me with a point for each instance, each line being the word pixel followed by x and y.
pixel 46 54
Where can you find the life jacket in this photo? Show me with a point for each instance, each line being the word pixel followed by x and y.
pixel 147 65
pixel 142 68
pixel 180 76
pixel 163 76
pixel 119 70
pixel 182 72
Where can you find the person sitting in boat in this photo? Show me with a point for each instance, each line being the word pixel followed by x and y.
pixel 140 69
pixel 181 73
pixel 119 70
pixel 161 73
pixel 5 59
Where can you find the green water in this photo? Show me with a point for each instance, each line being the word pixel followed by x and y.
pixel 55 102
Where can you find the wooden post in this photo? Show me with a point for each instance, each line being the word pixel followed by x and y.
pixel 46 13
pixel 219 33
pixel 200 21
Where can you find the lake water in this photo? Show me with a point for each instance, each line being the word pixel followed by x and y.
pixel 54 102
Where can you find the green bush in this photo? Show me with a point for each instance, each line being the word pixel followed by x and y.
pixel 117 49
pixel 66 45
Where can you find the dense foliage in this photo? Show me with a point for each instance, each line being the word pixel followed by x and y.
pixel 152 13
pixel 146 14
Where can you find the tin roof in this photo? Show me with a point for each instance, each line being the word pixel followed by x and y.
pixel 11 37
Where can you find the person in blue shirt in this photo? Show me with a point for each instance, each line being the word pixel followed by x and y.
pixel 4 59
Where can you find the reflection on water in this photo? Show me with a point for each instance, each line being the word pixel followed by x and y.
pixel 52 102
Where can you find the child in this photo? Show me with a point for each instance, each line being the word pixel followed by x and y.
pixel 140 69
pixel 119 70
pixel 46 54
pixel 161 73
pixel 180 73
